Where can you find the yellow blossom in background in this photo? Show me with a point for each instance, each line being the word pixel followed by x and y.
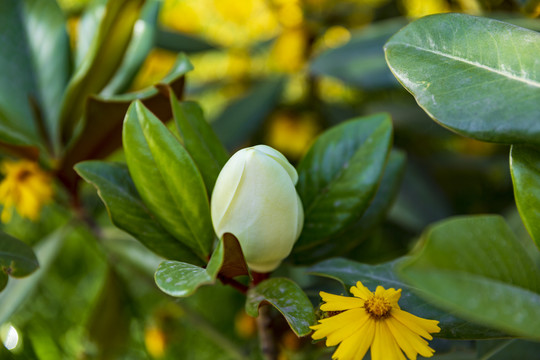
pixel 289 51
pixel 373 320
pixel 336 36
pixel 292 134
pixel 155 67
pixel 419 8
pixel 25 188
pixel 155 341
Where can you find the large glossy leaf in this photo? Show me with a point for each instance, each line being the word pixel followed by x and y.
pixel 475 267
pixel 167 179
pixel 199 140
pixel 17 259
pixel 128 212
pixel 16 120
pixel 478 77
pixel 102 128
pixel 360 62
pixel 343 242
pixel 242 117
pixel 339 175
pixel 100 62
pixel 349 272
pixel 287 297
pixel 18 290
pixel 525 169
pixel 51 55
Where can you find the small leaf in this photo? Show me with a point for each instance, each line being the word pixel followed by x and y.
pixel 241 118
pixel 339 175
pixel 474 266
pixel 349 272
pixel 525 169
pixel 17 259
pixel 343 242
pixel 234 263
pixel 179 42
pixel 199 140
pixel 476 76
pixel 288 298
pixel 179 279
pixel 360 62
pixel 100 62
pixel 102 129
pixel 128 212
pixel 167 179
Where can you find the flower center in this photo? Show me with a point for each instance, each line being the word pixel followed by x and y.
pixel 23 175
pixel 378 307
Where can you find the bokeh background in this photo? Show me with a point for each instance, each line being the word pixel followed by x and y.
pixel 277 72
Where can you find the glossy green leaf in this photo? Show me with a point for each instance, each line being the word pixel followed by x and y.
pixel 475 267
pixel 338 177
pixel 17 259
pixel 103 58
pixel 525 169
pixel 349 272
pixel 287 297
pixel 18 290
pixel 140 46
pixel 16 119
pixel 167 179
pixel 360 62
pixel 178 42
pixel 51 55
pixel 199 140
pixel 180 279
pixel 506 349
pixel 102 129
pixel 343 242
pixel 476 76
pixel 128 212
pixel 242 117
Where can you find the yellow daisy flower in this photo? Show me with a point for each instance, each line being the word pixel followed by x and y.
pixel 25 187
pixel 373 320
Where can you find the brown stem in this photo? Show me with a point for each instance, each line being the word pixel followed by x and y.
pixel 266 335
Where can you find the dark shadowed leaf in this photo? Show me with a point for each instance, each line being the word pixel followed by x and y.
pixel 178 42
pixel 17 259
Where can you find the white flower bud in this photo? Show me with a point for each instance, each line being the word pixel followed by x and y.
pixel 255 199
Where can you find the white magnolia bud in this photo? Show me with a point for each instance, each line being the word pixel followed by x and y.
pixel 255 199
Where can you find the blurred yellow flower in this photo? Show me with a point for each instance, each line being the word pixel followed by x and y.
pixel 155 341
pixel 155 67
pixel 336 36
pixel 25 188
pixel 373 320
pixel 181 16
pixel 419 8
pixel 289 50
pixel 292 134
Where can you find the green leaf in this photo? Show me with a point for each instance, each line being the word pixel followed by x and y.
pixel 360 62
pixel 180 279
pixel 349 272
pixel 51 55
pixel 178 42
pixel 167 179
pixel 199 140
pixel 474 266
pixel 102 129
pixel 343 242
pixel 18 290
pixel 476 76
pixel 287 297
pixel 16 119
pixel 338 177
pixel 100 62
pixel 241 118
pixel 3 280
pixel 525 169
pixel 128 212
pixel 140 46
pixel 17 259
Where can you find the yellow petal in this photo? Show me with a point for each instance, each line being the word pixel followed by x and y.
pixel 384 345
pixel 411 343
pixel 361 291
pixel 356 346
pixel 420 326
pixel 356 318
pixel 339 303
pixel 332 324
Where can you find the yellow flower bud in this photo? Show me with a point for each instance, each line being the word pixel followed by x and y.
pixel 255 199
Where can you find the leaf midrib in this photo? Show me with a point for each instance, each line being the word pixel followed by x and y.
pixel 472 63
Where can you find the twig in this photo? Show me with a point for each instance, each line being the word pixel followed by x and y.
pixel 266 335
